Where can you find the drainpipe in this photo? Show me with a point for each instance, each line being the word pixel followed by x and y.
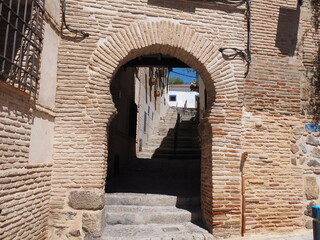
pixel 244 156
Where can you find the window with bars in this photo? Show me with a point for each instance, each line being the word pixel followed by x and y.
pixel 21 24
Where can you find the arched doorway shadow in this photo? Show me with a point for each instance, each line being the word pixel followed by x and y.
pixel 166 138
pixel 219 195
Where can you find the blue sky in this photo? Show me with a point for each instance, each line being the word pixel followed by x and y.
pixel 176 72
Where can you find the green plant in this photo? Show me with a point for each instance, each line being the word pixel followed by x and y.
pixel 176 80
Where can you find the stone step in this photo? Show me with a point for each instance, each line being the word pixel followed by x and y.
pixel 163 140
pixel 128 215
pixel 169 124
pixel 177 157
pixel 171 143
pixel 180 138
pixel 181 124
pixel 169 117
pixel 141 199
pixel 186 146
pixel 185 153
pixel 169 155
pixel 185 134
pixel 144 155
pixel 171 138
pixel 170 149
pixel 186 231
pixel 153 145
pixel 179 135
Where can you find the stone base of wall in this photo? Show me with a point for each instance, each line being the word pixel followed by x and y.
pixel 306 155
pixel 82 218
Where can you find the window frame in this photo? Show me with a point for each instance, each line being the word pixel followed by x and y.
pixel 20 59
pixel 175 98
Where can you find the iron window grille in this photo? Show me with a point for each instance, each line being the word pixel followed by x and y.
pixel 21 35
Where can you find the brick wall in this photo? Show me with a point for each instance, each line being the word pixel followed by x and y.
pixel 25 187
pixel 16 120
pixel 273 186
pixel 277 91
pixel 25 175
pixel 254 114
pixel 25 193
pixel 103 64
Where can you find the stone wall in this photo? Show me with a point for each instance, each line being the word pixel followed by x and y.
pixel 306 155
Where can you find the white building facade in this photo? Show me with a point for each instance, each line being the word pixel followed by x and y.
pixel 180 95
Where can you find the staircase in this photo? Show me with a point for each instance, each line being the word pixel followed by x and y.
pixel 157 197
pixel 152 216
pixel 174 138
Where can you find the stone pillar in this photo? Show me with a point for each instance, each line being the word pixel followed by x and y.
pixel 92 204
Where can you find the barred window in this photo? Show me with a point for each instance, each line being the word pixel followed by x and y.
pixel 21 43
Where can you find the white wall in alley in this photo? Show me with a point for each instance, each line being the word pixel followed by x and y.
pixel 180 95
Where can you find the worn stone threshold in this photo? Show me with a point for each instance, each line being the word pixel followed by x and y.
pixel 188 231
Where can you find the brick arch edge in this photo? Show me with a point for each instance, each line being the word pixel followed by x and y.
pixel 199 52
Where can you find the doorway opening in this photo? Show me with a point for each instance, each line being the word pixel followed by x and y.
pixel 154 156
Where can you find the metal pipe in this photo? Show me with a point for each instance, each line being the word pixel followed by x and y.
pixel 245 55
pixel 243 200
pixel 249 31
pixel 64 9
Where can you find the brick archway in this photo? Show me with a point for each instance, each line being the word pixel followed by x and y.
pixel 220 180
pixel 220 210
pixel 168 38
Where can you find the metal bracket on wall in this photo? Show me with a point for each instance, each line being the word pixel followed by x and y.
pixel 235 3
pixel 64 9
pixel 245 55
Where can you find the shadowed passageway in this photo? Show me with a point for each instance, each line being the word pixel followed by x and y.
pixel 173 169
pixel 159 196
